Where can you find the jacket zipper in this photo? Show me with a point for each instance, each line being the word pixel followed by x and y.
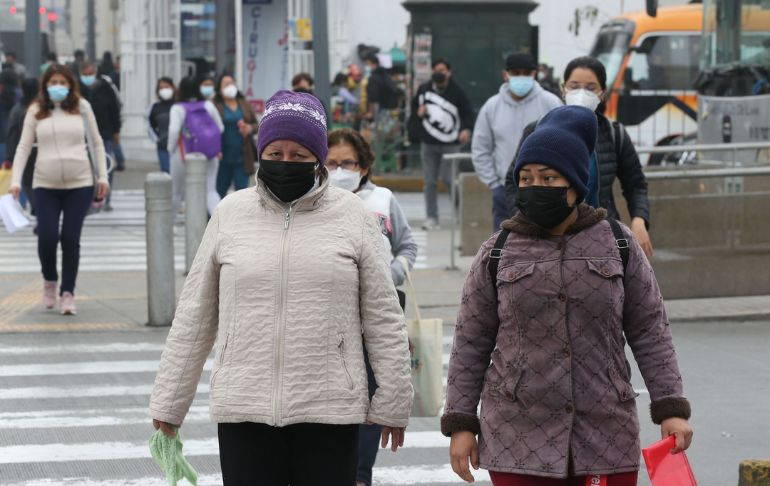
pixel 341 348
pixel 280 321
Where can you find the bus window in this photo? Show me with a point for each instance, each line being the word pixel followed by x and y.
pixel 610 48
pixel 666 62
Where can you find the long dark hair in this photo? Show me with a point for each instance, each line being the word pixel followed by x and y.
pixel 71 103
pixel 188 89
pixel 9 84
pixel 364 153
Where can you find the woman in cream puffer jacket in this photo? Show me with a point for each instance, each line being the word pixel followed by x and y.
pixel 289 287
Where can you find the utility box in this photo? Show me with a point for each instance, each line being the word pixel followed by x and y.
pixel 475 36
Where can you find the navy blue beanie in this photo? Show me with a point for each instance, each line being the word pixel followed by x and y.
pixel 563 140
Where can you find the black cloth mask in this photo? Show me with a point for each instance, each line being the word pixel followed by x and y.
pixel 289 181
pixel 544 206
pixel 438 78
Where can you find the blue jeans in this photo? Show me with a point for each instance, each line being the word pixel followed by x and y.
pixel 165 160
pixel 231 172
pixel 49 206
pixel 120 159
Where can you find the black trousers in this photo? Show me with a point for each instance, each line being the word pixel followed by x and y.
pixel 297 455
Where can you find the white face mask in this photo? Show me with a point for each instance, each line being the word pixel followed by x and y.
pixel 345 179
pixel 582 97
pixel 166 93
pixel 230 91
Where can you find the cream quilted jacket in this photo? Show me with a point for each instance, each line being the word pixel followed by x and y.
pixel 286 291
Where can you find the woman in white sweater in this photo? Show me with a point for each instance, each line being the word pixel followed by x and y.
pixel 189 95
pixel 63 181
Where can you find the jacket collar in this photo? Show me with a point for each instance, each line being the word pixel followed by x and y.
pixel 587 217
pixel 308 202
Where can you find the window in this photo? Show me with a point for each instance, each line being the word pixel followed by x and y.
pixel 666 62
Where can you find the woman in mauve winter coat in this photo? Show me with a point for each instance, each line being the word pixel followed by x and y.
pixel 290 281
pixel 544 349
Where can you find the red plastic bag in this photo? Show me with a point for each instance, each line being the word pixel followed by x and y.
pixel 666 469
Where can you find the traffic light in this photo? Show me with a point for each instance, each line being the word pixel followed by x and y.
pixel 13 10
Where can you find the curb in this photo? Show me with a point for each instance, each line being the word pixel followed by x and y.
pixel 747 317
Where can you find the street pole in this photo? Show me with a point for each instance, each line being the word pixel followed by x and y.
pixel 91 41
pixel 321 52
pixel 196 212
pixel 32 42
pixel 159 231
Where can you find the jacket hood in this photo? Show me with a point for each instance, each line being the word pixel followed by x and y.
pixel 505 95
pixel 587 217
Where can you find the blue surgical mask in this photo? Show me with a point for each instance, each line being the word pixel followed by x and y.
pixel 88 80
pixel 367 70
pixel 521 85
pixel 207 91
pixel 57 93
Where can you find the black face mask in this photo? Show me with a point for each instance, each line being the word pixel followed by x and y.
pixel 289 181
pixel 438 78
pixel 544 206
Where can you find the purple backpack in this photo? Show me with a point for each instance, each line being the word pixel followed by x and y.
pixel 200 132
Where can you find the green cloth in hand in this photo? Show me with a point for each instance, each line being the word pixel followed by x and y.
pixel 167 452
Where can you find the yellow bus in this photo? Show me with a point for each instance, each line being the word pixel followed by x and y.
pixel 652 64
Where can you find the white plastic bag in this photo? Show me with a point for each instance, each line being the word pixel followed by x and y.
pixel 12 215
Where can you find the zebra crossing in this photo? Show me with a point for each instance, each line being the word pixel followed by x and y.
pixel 73 411
pixel 115 241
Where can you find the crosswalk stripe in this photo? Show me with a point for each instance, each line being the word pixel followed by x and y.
pixel 110 451
pixel 42 419
pixel 86 368
pixel 80 349
pixel 47 392
pixel 395 475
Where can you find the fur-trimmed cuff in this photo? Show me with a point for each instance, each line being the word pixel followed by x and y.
pixel 667 408
pixel 456 422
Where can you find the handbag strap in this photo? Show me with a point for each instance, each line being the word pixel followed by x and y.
pixel 89 143
pixel 410 287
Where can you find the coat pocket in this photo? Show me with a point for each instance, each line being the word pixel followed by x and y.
pixel 508 386
pixel 625 390
pixel 341 348
pixel 220 361
pixel 606 268
pixel 515 272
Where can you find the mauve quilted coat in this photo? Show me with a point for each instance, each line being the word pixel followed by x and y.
pixel 287 295
pixel 547 361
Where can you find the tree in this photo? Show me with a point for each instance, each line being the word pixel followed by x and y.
pixel 589 13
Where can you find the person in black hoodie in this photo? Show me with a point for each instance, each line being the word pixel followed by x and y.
pixel 29 92
pixel 158 119
pixel 444 120
pixel 106 105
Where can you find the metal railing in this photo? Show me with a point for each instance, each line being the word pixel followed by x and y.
pixel 456 159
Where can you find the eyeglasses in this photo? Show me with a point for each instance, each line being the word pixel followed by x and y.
pixel 345 164
pixel 573 85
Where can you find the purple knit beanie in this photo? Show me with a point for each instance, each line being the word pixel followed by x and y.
pixel 298 117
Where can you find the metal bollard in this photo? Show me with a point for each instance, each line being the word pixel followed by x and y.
pixel 159 229
pixel 196 212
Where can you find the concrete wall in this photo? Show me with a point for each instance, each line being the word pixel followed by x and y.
pixel 708 241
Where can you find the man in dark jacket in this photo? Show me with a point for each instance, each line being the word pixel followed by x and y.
pixel 445 122
pixel 106 106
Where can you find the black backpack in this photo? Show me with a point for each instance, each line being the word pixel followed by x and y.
pixel 496 254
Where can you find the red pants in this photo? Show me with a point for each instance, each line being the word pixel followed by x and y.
pixel 507 479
